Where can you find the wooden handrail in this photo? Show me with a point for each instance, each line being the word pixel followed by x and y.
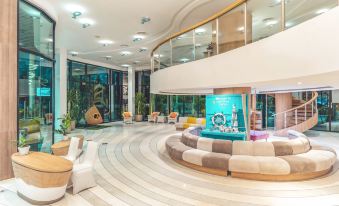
pixel 211 18
pixel 314 94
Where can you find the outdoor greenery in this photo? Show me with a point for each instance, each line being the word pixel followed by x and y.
pixel 73 97
pixel 65 124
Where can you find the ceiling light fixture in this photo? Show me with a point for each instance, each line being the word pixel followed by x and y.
pixel 76 14
pixel 321 11
pixel 125 53
pixel 142 49
pixel 145 19
pixel 138 37
pixel 125 65
pixel 105 42
pixel 75 8
pixel 86 22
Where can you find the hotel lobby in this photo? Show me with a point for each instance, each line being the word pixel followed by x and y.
pixel 209 102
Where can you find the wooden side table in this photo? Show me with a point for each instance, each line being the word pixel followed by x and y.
pixel 41 178
pixel 61 148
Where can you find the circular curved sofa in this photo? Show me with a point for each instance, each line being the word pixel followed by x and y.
pixel 294 159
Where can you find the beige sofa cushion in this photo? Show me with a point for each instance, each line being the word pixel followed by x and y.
pixel 205 144
pixel 194 156
pixel 263 149
pixel 273 166
pixel 300 145
pixel 183 119
pixel 242 148
pixel 244 164
pixel 323 160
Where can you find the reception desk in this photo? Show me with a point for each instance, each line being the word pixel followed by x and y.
pixel 41 178
pixel 223 135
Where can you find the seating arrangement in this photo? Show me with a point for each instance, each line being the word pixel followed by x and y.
pixel 173 117
pixel 293 159
pixel 73 150
pixel 153 117
pixel 186 122
pixel 128 117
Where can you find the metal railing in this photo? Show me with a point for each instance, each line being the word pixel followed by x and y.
pixel 296 115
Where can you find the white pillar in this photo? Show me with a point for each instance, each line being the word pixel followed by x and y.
pixel 60 85
pixel 131 90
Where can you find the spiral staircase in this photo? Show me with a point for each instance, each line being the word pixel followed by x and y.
pixel 301 117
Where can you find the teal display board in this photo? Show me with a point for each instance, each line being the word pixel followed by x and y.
pixel 227 111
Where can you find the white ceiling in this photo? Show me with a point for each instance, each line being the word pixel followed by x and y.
pixel 119 20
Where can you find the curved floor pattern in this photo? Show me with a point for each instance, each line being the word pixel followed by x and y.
pixel 133 168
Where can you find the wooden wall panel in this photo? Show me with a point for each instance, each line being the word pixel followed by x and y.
pixel 8 85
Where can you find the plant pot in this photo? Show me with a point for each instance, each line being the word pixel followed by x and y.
pixel 73 123
pixel 66 137
pixel 24 150
pixel 138 118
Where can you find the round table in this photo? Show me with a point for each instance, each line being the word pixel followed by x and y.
pixel 41 178
pixel 61 148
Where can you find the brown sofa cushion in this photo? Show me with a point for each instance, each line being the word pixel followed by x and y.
pixel 282 148
pixel 299 164
pixel 222 146
pixel 216 161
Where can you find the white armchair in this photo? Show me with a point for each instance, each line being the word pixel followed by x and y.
pixel 173 117
pixel 82 175
pixel 73 150
pixel 128 117
pixel 153 117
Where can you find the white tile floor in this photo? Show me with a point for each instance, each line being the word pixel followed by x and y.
pixel 134 169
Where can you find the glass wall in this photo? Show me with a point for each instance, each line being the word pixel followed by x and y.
pixel 185 105
pixel 142 84
pixel 36 76
pixel 228 31
pixel 97 86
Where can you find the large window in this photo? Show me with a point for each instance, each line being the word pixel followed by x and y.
pixel 36 75
pixel 97 86
pixel 142 84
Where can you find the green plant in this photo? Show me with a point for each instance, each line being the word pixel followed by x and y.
pixel 22 142
pixel 73 98
pixel 65 124
pixel 140 101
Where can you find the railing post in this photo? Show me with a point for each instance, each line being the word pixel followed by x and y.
pixel 305 112
pixel 285 120
pixel 312 108
pixel 296 116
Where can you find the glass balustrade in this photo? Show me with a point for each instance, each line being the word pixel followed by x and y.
pixel 246 22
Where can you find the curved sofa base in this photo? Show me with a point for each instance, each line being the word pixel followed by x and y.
pixel 281 178
pixel 201 168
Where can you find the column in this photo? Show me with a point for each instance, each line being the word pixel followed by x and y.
pixel 60 85
pixel 131 90
pixel 8 85
pixel 283 102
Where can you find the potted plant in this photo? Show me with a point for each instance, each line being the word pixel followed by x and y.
pixel 65 126
pixel 73 98
pixel 140 101
pixel 22 146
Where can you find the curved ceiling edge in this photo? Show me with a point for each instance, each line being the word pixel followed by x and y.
pixel 46 7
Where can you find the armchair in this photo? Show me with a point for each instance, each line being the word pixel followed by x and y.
pixel 173 117
pixel 153 117
pixel 128 117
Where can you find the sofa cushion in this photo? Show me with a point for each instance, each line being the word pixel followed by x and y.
pixel 324 148
pixel 216 161
pixel 323 159
pixel 205 144
pixel 222 146
pixel 299 164
pixel 183 119
pixel 242 148
pixel 282 148
pixel 179 125
pixel 244 164
pixel 263 149
pixel 190 140
pixel 300 145
pixel 273 166
pixel 173 115
pixel 194 156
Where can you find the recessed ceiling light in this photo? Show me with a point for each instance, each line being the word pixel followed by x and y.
pixel 86 22
pixel 199 31
pixel 105 42
pixel 74 53
pixel 138 37
pixel 125 53
pixel 76 14
pixel 184 60
pixel 125 65
pixel 142 49
pixel 145 19
pixel 320 11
